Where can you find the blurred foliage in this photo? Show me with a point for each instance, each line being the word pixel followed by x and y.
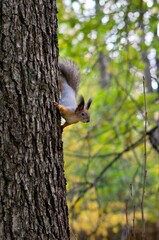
pixel 104 160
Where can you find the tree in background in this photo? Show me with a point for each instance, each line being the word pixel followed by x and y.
pixel 33 191
pixel 116 41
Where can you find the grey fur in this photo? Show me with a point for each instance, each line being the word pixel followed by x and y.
pixel 70 72
pixel 68 97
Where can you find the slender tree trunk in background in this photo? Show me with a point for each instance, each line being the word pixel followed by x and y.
pixel 147 72
pixel 157 65
pixel 103 61
pixel 103 70
pixel 33 188
pixel 157 61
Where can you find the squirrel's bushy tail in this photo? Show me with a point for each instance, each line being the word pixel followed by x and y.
pixel 70 72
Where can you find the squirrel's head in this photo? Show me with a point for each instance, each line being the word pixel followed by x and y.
pixel 82 110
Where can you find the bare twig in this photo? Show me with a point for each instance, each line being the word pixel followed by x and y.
pixel 126 230
pixel 133 204
pixel 90 185
pixel 100 175
pixel 145 162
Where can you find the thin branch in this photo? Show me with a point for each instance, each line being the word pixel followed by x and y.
pixel 117 157
pixel 145 161
pixel 128 94
pixel 134 208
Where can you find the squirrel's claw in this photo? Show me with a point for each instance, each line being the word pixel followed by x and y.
pixel 55 104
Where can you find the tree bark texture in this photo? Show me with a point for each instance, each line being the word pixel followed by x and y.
pixel 33 186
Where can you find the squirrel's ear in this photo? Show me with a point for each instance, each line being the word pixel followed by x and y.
pixel 80 106
pixel 88 104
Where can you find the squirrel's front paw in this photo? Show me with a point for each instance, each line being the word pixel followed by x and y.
pixel 55 104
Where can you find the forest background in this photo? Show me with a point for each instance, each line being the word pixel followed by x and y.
pixel 112 163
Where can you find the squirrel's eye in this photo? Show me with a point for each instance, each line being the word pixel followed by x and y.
pixel 82 114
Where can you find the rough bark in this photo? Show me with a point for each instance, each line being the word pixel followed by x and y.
pixel 33 187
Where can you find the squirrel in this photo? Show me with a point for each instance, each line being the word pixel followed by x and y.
pixel 69 79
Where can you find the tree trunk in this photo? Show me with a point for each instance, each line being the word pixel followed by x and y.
pixel 147 72
pixel 33 187
pixel 103 70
